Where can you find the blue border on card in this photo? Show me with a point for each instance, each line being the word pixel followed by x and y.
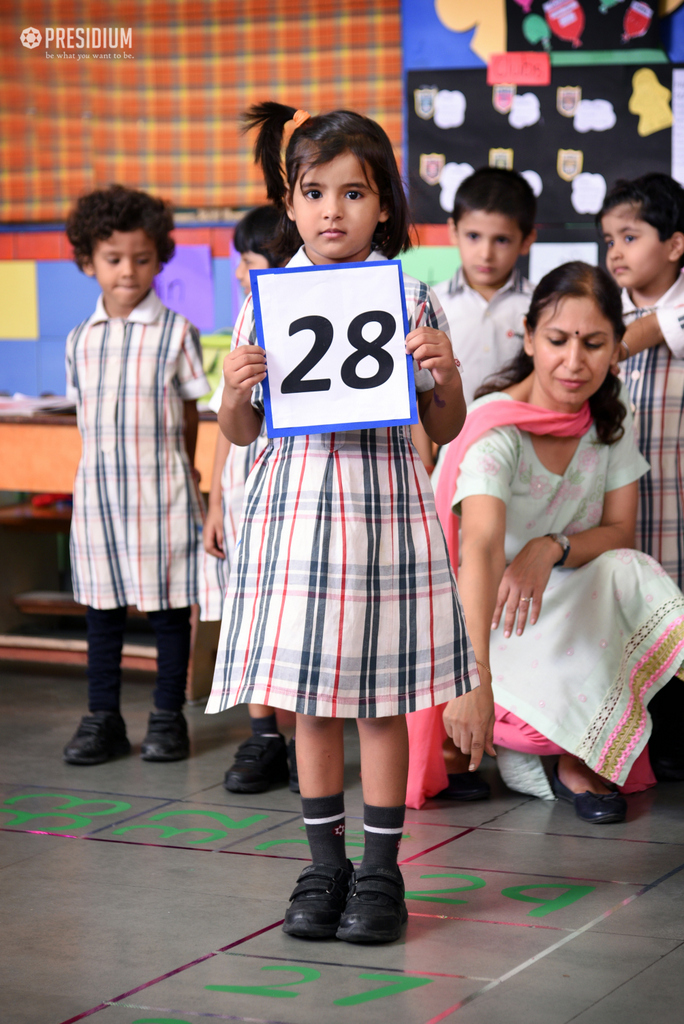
pixel 329 428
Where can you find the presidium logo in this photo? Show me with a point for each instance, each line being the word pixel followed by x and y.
pixel 86 38
pixel 30 38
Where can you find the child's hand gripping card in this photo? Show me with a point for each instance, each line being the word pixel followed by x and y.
pixel 334 341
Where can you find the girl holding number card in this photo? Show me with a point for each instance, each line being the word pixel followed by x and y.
pixel 342 603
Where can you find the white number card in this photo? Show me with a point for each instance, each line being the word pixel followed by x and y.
pixel 334 341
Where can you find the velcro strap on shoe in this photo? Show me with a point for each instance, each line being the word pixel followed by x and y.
pixel 331 881
pixel 377 884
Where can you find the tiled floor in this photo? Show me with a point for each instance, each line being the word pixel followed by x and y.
pixel 141 893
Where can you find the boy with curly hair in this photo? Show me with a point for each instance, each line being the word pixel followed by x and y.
pixel 134 370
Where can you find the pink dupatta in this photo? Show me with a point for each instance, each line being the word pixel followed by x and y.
pixel 427 772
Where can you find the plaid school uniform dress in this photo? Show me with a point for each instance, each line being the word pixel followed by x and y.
pixel 341 601
pixel 136 519
pixel 655 379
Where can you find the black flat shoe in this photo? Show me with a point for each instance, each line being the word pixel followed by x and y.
pixel 292 761
pixel 598 808
pixel 465 786
pixel 317 901
pixel 99 738
pixel 167 737
pixel 375 911
pixel 260 762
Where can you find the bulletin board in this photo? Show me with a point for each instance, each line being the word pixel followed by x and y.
pixel 571 138
pixel 567 25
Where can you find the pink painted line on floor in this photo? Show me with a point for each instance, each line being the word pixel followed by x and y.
pixel 170 974
pixel 445 842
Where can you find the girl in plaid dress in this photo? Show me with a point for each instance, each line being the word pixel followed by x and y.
pixel 342 603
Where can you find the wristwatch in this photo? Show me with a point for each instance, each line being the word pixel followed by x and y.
pixel 561 539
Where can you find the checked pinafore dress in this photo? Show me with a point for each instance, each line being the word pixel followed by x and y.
pixel 342 601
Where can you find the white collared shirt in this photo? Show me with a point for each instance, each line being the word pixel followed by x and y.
pixel 485 335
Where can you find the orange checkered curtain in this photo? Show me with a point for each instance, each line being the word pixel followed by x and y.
pixel 162 113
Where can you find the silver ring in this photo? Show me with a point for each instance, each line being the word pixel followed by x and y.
pixel 525 599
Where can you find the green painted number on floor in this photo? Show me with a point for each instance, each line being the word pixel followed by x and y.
pixel 395 986
pixel 437 895
pixel 68 802
pixel 168 831
pixel 549 904
pixel 272 991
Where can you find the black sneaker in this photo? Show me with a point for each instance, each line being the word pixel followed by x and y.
pixel 260 762
pixel 167 737
pixel 375 911
pixel 317 901
pixel 100 737
pixel 292 760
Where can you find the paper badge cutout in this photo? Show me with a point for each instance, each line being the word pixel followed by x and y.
pixel 534 181
pixel 501 158
pixel 525 4
pixel 450 180
pixel 450 108
pixel 588 192
pixel 502 97
pixel 525 110
pixel 424 102
pixel 566 20
pixel 594 116
pixel 637 21
pixel 569 163
pixel 431 166
pixel 651 101
pixel 568 98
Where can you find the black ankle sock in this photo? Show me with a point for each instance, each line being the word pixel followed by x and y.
pixel 324 820
pixel 264 726
pixel 382 827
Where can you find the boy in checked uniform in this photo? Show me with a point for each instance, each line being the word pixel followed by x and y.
pixel 134 369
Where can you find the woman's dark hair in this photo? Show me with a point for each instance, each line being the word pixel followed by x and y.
pixel 576 280
pixel 318 141
pixel 657 199
pixel 99 214
pixel 497 190
pixel 257 230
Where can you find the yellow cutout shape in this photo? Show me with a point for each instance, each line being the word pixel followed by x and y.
pixel 489 16
pixel 18 299
pixel 651 101
pixel 666 7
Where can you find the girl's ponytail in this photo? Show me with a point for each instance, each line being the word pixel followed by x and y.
pixel 270 119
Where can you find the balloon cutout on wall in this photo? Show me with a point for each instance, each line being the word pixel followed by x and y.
pixel 526 5
pixel 536 31
pixel 565 19
pixel 637 21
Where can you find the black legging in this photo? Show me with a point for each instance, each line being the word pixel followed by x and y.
pixel 105 641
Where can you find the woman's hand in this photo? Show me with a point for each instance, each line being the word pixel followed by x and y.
pixel 212 533
pixel 469 720
pixel 432 351
pixel 523 583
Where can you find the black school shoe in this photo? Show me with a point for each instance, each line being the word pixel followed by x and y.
pixel 317 901
pixel 99 738
pixel 375 911
pixel 465 786
pixel 167 737
pixel 260 762
pixel 598 808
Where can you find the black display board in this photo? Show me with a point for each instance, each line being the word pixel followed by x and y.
pixel 593 24
pixel 618 152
